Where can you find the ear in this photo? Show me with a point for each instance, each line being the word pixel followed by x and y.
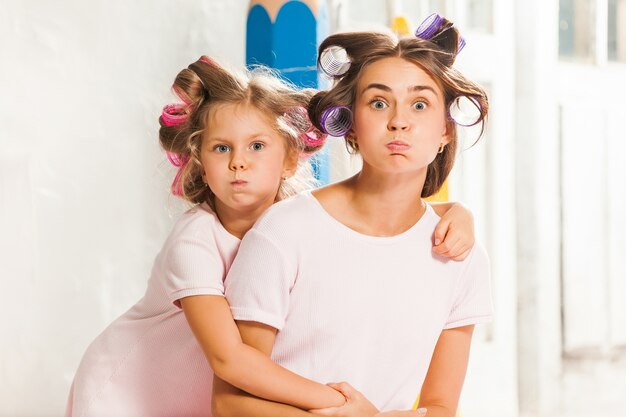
pixel 291 163
pixel 445 136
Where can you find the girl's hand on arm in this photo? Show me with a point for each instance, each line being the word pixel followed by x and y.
pixel 359 406
pixel 446 373
pixel 356 404
pixel 244 366
pixel 454 234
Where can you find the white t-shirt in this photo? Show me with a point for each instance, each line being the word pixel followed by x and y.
pixel 148 362
pixel 352 307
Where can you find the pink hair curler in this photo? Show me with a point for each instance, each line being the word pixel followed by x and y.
pixel 174 114
pixel 298 117
pixel 176 159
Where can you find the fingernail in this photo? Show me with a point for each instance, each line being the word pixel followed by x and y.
pixel 422 411
pixel 437 241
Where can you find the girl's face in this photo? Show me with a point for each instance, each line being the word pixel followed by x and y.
pixel 399 117
pixel 244 158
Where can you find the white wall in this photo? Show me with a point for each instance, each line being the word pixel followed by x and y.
pixel 83 184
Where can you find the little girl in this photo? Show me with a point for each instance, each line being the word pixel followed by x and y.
pixel 347 286
pixel 236 140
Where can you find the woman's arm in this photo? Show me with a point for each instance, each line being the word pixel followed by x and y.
pixel 237 363
pixel 454 234
pixel 446 373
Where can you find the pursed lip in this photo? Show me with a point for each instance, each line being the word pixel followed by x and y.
pixel 398 146
pixel 238 182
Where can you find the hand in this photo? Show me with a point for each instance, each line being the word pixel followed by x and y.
pixel 420 412
pixel 454 234
pixel 356 405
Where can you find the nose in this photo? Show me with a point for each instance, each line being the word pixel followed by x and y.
pixel 398 121
pixel 238 161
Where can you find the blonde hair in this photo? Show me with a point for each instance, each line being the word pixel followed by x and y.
pixel 202 86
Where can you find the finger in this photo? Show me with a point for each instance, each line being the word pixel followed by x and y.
pixel 463 255
pixel 331 411
pixel 440 231
pixel 344 388
pixel 445 246
pixel 455 249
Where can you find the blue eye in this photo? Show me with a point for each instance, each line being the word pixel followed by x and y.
pixel 221 148
pixel 378 104
pixel 257 146
pixel 420 105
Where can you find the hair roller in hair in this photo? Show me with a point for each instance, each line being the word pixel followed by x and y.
pixel 298 117
pixel 461 44
pixel 336 121
pixel 429 26
pixel 174 114
pixel 207 61
pixel 465 111
pixel 176 159
pixel 334 61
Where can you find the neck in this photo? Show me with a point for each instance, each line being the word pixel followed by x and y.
pixel 399 191
pixel 238 221
pixel 390 203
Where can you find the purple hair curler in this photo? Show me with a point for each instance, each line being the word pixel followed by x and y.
pixel 336 121
pixel 334 61
pixel 465 111
pixel 429 26
pixel 461 44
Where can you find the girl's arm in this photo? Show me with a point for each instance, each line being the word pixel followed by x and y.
pixel 454 234
pixel 243 366
pixel 228 401
pixel 446 373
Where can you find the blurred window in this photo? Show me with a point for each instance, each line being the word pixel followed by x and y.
pixel 480 15
pixel 617 30
pixel 577 30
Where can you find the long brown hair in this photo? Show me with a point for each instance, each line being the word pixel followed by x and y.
pixel 435 56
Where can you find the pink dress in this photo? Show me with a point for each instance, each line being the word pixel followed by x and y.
pixel 147 362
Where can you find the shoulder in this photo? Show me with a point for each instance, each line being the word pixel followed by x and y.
pixel 199 222
pixel 477 262
pixel 286 213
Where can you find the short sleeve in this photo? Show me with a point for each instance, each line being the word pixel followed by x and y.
pixel 193 267
pixel 472 303
pixel 260 280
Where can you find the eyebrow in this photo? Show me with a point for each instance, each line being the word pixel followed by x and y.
pixel 388 89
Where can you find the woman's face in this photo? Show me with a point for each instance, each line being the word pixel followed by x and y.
pixel 399 117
